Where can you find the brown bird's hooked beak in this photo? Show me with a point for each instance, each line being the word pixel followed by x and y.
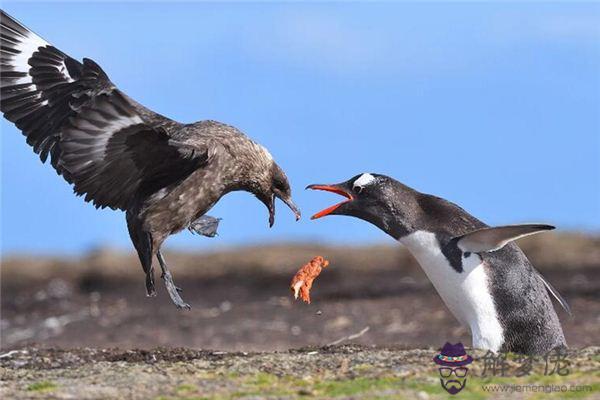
pixel 288 202
pixel 336 188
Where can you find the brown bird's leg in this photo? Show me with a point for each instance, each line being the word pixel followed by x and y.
pixel 150 290
pixel 171 288
pixel 142 241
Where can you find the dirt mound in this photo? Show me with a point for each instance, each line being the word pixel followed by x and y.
pixel 241 300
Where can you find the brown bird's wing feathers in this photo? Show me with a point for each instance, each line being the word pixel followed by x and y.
pixel 109 147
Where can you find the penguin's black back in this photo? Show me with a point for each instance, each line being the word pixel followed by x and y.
pixel 524 307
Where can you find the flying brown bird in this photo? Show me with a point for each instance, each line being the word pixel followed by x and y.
pixel 164 174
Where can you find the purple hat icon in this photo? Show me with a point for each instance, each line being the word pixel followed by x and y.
pixel 453 355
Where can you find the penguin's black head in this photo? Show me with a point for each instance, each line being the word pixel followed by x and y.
pixel 375 198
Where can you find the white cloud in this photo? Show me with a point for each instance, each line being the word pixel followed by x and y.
pixel 423 43
pixel 320 41
pixel 577 27
pixel 574 27
pixel 348 45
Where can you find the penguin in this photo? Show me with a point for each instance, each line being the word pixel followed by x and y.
pixel 482 276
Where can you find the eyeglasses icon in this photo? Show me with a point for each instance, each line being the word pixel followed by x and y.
pixel 460 372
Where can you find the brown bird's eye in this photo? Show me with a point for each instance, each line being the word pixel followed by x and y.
pixel 279 185
pixel 357 189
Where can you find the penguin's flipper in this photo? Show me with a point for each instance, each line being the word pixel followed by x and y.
pixel 492 239
pixel 561 300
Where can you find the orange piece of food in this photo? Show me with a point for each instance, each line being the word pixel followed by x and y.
pixel 303 280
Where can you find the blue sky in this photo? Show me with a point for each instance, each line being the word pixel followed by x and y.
pixel 495 106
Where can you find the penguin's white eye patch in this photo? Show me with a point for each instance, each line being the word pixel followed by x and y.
pixel 364 180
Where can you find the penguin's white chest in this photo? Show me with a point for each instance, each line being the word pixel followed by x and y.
pixel 466 294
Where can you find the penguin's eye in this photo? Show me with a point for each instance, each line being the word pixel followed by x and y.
pixel 357 189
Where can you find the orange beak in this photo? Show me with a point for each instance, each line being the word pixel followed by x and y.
pixel 334 189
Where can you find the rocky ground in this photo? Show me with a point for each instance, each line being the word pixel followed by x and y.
pixel 348 372
pixel 377 296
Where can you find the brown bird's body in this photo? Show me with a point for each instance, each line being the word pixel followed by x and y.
pixel 117 153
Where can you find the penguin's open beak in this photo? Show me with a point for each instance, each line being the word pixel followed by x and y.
pixel 338 189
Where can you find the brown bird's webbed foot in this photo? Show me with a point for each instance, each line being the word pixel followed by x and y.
pixel 205 226
pixel 170 285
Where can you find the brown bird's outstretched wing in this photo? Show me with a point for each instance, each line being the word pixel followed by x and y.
pixel 109 147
